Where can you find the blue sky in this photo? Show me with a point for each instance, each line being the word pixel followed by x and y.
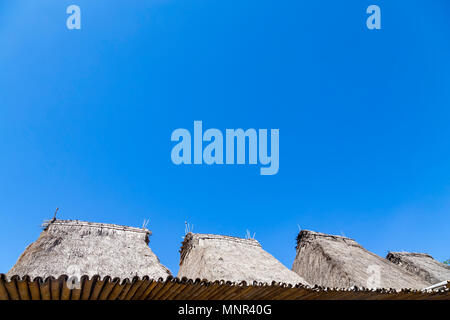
pixel 86 117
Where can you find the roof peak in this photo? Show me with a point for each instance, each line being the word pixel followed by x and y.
pixel 207 236
pixel 190 238
pixel 310 233
pixel 87 224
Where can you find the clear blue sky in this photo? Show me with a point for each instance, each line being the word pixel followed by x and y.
pixel 86 118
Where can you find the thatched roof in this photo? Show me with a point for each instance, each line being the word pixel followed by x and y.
pixel 77 248
pixel 215 257
pixel 335 261
pixel 421 264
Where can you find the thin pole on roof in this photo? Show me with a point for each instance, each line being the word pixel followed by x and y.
pixel 54 216
pixel 249 236
pixel 188 227
pixel 46 223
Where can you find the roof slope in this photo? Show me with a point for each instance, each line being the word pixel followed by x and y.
pixel 78 248
pixel 335 261
pixel 216 257
pixel 422 265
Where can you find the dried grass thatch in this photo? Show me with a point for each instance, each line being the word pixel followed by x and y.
pixel 421 264
pixel 215 257
pixel 340 262
pixel 82 248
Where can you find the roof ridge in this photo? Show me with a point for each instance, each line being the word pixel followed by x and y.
pixel 224 238
pixel 78 223
pixel 186 245
pixel 304 234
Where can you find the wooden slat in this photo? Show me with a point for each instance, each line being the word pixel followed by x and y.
pixel 440 296
pixel 97 287
pixel 154 292
pixel 273 293
pixel 13 293
pixel 139 292
pixel 203 286
pixel 221 293
pixel 65 290
pixel 255 292
pixel 107 289
pixel 125 290
pixel 22 287
pixel 168 285
pixel 76 293
pixel 311 295
pixel 178 296
pixel 55 286
pixel 3 292
pixel 299 294
pixel 160 290
pixel 212 290
pixel 233 292
pixel 134 288
pixel 86 285
pixel 176 289
pixel 192 290
pixel 45 290
pixel 116 291
pixel 286 293
pixel 149 290
pixel 77 288
pixel 187 292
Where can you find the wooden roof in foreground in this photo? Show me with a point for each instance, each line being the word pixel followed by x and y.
pixel 96 288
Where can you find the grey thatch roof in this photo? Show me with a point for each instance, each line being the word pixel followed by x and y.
pixel 215 257
pixel 335 261
pixel 422 265
pixel 78 248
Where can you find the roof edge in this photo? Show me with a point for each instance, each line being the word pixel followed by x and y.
pixel 78 223
pixel 208 236
pixel 187 243
pixel 303 235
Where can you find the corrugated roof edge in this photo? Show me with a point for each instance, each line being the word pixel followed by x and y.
pixel 172 288
pixel 147 278
pixel 185 280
